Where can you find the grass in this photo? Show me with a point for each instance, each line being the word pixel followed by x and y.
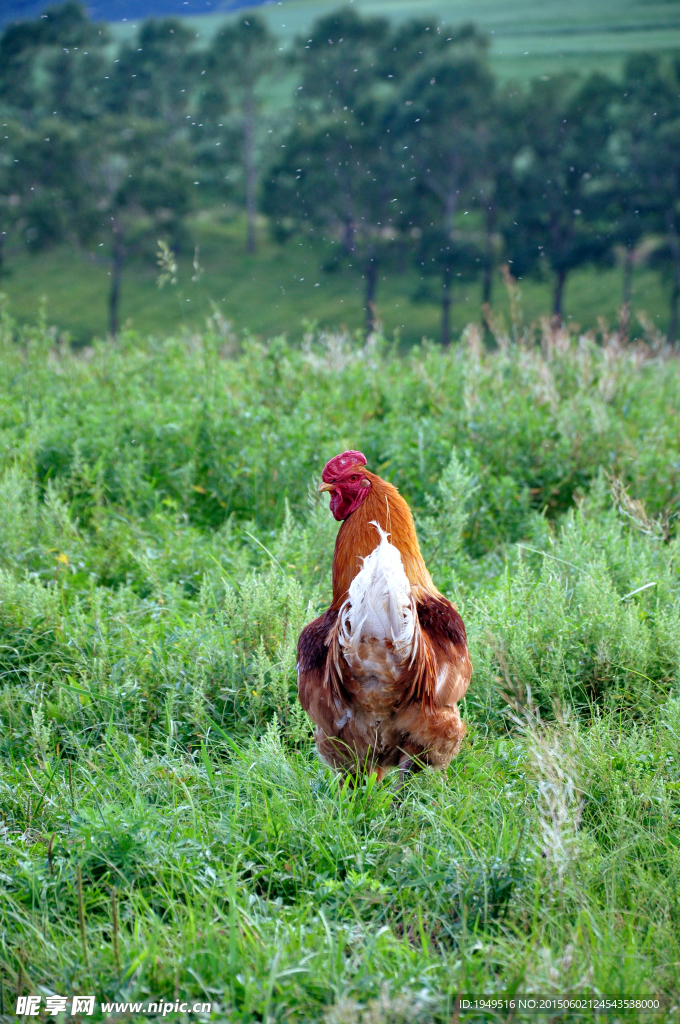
pixel 167 829
pixel 282 286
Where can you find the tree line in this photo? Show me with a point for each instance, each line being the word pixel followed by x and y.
pixel 393 143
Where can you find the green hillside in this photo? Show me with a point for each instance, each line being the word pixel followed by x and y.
pixel 280 286
pixel 528 37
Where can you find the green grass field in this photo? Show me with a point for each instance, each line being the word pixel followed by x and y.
pixel 167 831
pixel 281 287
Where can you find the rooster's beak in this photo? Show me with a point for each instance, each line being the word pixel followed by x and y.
pixel 326 487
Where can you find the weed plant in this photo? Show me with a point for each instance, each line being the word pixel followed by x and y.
pixel 166 826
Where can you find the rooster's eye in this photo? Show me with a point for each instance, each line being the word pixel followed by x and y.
pixel 353 477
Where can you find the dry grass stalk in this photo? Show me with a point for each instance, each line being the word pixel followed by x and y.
pixel 81 916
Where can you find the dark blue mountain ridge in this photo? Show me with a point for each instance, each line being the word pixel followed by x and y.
pixel 122 10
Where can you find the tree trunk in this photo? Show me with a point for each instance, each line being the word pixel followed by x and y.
pixel 371 281
pixel 674 245
pixel 348 236
pixel 450 207
pixel 675 296
pixel 559 295
pixel 116 274
pixel 628 276
pixel 446 307
pixel 487 280
pixel 251 171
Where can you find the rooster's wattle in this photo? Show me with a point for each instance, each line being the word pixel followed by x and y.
pixel 381 672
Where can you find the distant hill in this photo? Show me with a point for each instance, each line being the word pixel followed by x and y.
pixel 119 10
pixel 527 37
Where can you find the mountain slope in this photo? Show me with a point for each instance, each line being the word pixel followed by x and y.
pixel 119 10
pixel 527 37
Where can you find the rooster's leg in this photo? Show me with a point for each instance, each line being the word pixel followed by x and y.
pixel 408 762
pixel 405 769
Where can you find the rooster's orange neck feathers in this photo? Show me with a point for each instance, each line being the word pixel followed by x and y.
pixel 357 537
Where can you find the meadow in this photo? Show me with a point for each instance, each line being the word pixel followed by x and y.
pixel 284 286
pixel 167 830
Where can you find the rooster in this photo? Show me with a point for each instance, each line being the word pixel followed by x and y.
pixel 380 673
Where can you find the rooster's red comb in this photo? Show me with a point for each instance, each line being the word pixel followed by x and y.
pixel 340 463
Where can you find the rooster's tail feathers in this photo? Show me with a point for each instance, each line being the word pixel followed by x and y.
pixel 381 607
pixel 379 602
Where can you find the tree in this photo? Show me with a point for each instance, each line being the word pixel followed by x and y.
pixel 669 255
pixel 555 215
pixel 639 183
pixel 11 193
pixel 51 76
pixel 340 62
pixel 493 192
pixel 38 190
pixel 134 184
pixel 632 184
pixel 440 118
pixel 338 175
pixel 662 196
pixel 54 65
pixel 452 256
pixel 337 171
pixel 156 76
pixel 241 58
pixel 108 182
